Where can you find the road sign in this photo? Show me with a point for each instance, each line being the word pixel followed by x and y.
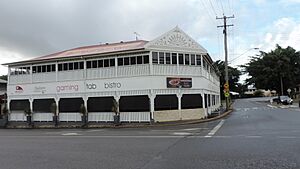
pixel 289 90
pixel 226 94
pixel 226 87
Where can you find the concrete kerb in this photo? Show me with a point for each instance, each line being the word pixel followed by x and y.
pixel 173 123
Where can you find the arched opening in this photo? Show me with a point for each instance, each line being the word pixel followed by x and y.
pixel 70 105
pixel 100 104
pixel 191 101
pixel 134 104
pixel 165 102
pixel 42 105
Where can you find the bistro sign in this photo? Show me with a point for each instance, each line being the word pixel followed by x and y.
pixel 175 82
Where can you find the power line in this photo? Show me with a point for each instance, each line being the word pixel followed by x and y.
pixel 212 7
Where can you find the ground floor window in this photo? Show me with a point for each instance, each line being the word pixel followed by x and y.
pixel 166 102
pixel 134 104
pixel 70 104
pixel 43 105
pixel 19 105
pixel 100 104
pixel 191 101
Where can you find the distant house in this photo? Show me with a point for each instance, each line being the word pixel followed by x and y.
pixel 251 90
pixel 3 88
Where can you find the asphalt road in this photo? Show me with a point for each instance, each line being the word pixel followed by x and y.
pixel 256 135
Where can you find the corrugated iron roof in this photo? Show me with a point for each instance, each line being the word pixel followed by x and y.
pixel 96 49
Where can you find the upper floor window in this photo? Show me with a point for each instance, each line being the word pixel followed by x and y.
pixel 154 57
pixel 198 59
pixel 44 68
pixel 70 66
pixel 180 58
pixel 20 70
pixel 174 58
pixel 100 63
pixel 133 60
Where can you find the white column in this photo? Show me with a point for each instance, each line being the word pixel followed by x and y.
pixel 56 71
pixel 31 104
pixel 57 106
pixel 179 104
pixel 203 104
pixel 117 98
pixel 85 100
pixel 116 67
pixel 152 101
pixel 202 65
pixel 150 63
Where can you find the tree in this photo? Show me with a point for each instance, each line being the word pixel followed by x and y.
pixel 3 77
pixel 233 77
pixel 269 70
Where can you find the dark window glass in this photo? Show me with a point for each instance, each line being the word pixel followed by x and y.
pixel 139 60
pixel 59 67
pixel 180 58
pixel 154 57
pixel 39 69
pixel 100 63
pixel 53 68
pixel 111 62
pixel 120 61
pixel 76 65
pixel 198 59
pixel 168 58
pixel 94 64
pixel 133 60
pixel 44 68
pixel 174 58
pixel 65 66
pixel 126 61
pixel 71 66
pixel 106 63
pixel 187 59
pixel 146 59
pixel 34 69
pixel 161 58
pixel 89 64
pixel 81 66
pixel 192 59
pixel 48 68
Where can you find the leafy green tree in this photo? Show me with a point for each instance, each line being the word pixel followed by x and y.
pixel 3 77
pixel 269 70
pixel 233 77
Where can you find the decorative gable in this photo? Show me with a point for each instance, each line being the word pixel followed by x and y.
pixel 175 39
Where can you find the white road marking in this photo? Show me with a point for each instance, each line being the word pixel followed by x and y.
pixel 253 136
pixel 182 133
pixel 288 137
pixel 70 134
pixel 215 129
pixel 192 129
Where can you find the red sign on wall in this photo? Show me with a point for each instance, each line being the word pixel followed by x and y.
pixel 173 82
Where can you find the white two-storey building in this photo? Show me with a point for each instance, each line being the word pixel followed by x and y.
pixel 166 79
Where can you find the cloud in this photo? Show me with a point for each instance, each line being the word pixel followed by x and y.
pixel 285 32
pixel 33 28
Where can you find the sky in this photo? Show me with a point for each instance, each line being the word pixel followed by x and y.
pixel 33 28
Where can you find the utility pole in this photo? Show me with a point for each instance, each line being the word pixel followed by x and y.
pixel 226 55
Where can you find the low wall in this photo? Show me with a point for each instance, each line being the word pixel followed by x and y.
pixel 175 115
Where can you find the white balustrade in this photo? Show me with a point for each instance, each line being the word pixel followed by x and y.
pixel 135 116
pixel 101 116
pixel 17 116
pixel 69 117
pixel 42 116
